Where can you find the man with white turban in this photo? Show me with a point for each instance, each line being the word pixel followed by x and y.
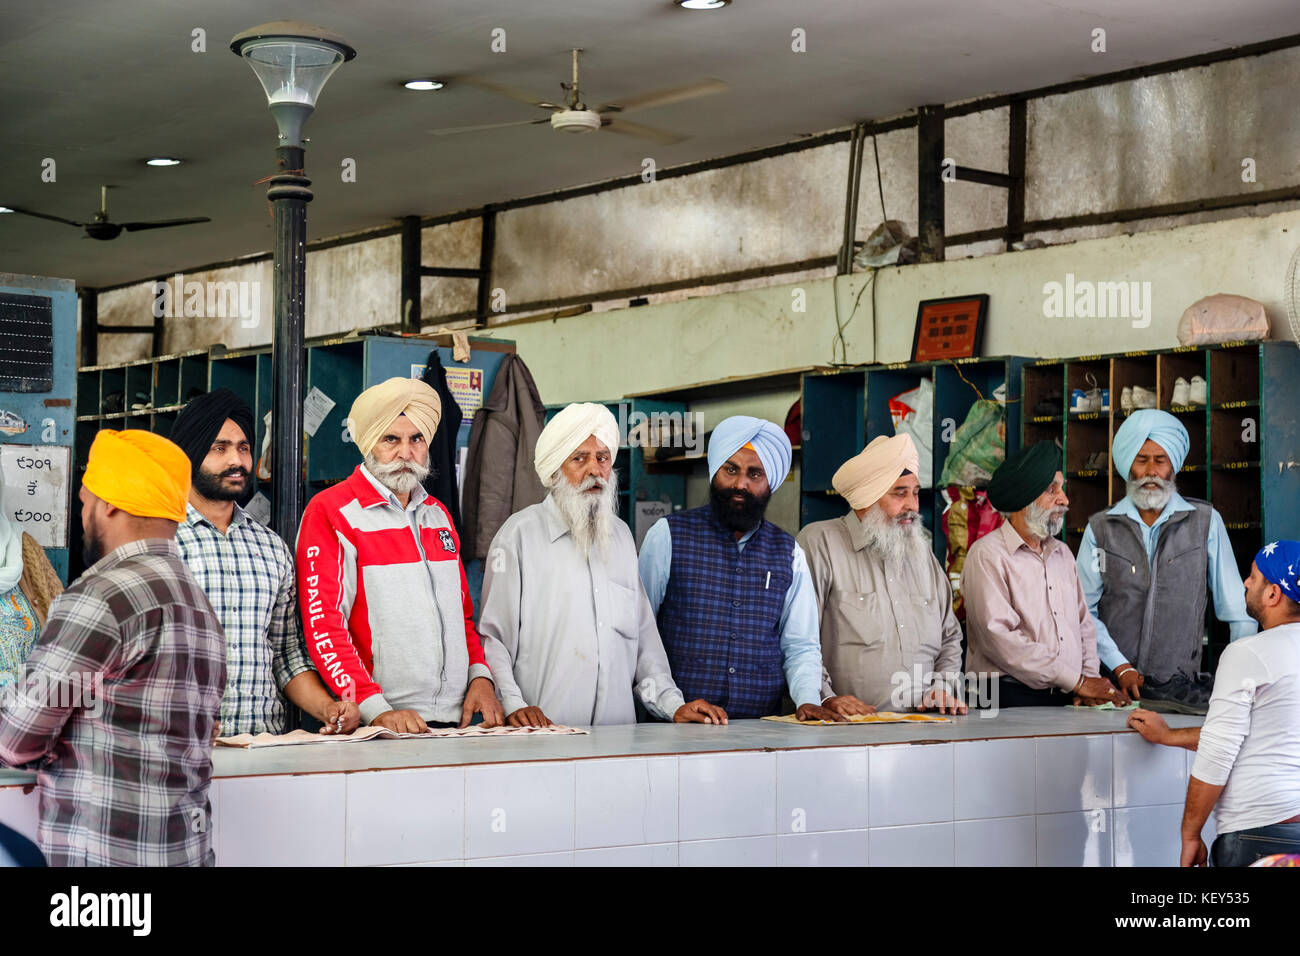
pixel 567 629
pixel 731 590
pixel 385 606
pixel 1145 565
pixel 889 634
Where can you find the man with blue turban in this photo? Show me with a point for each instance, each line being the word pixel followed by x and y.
pixel 1247 767
pixel 734 599
pixel 1147 564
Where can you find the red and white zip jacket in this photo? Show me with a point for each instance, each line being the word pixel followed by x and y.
pixel 385 605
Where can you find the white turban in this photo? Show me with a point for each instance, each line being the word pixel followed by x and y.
pixel 570 428
pixel 864 478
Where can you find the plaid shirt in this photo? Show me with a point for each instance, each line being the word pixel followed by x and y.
pixel 116 716
pixel 247 574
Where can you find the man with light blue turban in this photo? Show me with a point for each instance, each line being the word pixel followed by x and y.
pixel 1148 565
pixel 732 592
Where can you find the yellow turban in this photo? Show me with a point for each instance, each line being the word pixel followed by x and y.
pixel 864 478
pixel 378 406
pixel 142 473
pixel 570 428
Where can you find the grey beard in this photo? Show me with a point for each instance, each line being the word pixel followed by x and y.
pixel 1150 499
pixel 1042 522
pixel 892 539
pixel 399 477
pixel 590 518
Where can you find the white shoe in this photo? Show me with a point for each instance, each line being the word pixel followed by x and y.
pixel 1196 391
pixel 1143 397
pixel 1181 391
pixel 1126 400
pixel 1093 397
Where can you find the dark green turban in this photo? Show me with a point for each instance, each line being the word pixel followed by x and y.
pixel 1024 476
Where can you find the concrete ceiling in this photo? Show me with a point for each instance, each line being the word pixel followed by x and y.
pixel 100 86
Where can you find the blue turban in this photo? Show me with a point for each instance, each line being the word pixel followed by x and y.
pixel 1161 427
pixel 768 440
pixel 1279 562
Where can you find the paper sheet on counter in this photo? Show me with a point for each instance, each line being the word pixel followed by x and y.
pixel 883 717
pixel 296 737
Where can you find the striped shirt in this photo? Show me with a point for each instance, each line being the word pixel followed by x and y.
pixel 116 714
pixel 247 574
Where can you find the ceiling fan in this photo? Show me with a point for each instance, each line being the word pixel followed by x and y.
pixel 573 116
pixel 101 228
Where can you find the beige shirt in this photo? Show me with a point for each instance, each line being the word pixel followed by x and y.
pixel 1026 615
pixel 882 626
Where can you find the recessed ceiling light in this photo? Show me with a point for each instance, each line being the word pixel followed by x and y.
pixel 162 161
pixel 702 4
pixel 423 85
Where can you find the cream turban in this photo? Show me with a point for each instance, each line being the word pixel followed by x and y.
pixel 377 407
pixel 864 478
pixel 570 428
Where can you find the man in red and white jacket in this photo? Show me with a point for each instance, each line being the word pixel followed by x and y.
pixel 385 605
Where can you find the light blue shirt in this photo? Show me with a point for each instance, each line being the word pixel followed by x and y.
pixel 800 622
pixel 1225 582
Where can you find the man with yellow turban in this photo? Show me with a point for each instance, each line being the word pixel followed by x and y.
pixel 385 605
pixel 889 635
pixel 1148 566
pixel 731 590
pixel 566 626
pixel 124 684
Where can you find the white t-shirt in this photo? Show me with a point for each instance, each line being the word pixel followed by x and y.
pixel 1251 737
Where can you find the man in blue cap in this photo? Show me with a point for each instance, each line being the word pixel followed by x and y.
pixel 1247 767
pixel 732 592
pixel 1145 565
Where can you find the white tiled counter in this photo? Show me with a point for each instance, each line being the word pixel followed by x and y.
pixel 1031 786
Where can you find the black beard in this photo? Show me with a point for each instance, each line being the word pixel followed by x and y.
pixel 737 517
pixel 210 486
pixel 92 549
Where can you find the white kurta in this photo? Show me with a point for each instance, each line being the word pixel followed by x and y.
pixel 574 636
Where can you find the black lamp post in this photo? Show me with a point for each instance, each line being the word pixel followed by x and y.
pixel 292 60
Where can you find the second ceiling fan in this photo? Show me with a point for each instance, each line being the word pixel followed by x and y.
pixel 573 116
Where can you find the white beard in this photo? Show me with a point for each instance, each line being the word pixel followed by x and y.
pixel 1150 499
pixel 590 518
pixel 399 477
pixel 1042 523
pixel 894 540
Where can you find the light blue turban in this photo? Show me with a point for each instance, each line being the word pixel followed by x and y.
pixel 768 440
pixel 1161 427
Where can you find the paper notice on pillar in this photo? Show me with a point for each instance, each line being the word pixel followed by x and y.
pixel 466 386
pixel 314 409
pixel 36 491
pixel 647 513
pixel 259 508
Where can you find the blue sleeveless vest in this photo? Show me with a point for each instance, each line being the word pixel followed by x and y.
pixel 720 619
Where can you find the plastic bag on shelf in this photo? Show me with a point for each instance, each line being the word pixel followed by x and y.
pixel 1222 318
pixel 978 446
pixel 913 414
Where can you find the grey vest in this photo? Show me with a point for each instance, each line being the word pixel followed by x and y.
pixel 1156 614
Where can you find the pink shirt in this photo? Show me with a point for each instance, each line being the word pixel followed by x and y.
pixel 1025 612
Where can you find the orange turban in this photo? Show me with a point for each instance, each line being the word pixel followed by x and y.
pixel 142 473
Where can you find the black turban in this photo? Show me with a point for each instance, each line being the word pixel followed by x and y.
pixel 200 421
pixel 1024 476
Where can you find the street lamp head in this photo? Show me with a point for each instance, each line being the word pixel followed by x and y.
pixel 292 61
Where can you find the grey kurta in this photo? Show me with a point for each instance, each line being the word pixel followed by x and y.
pixel 571 635
pixel 878 621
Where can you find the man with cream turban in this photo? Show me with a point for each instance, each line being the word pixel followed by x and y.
pixel 566 626
pixel 889 635
pixel 1147 564
pixel 124 685
pixel 385 605
pixel 732 592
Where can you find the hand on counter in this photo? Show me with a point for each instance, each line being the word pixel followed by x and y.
pixel 481 698
pixel 1130 679
pixel 938 699
pixel 401 722
pixel 846 705
pixel 528 717
pixel 1150 725
pixel 1098 690
pixel 341 717
pixel 699 712
pixel 813 712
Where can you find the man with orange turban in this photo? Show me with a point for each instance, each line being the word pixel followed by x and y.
pixel 124 685
pixel 889 635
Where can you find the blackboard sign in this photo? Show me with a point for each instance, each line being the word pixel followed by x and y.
pixel 26 343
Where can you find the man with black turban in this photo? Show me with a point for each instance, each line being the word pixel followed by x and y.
pixel 248 574
pixel 1026 617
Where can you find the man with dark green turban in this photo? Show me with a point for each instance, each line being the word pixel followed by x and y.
pixel 1026 616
